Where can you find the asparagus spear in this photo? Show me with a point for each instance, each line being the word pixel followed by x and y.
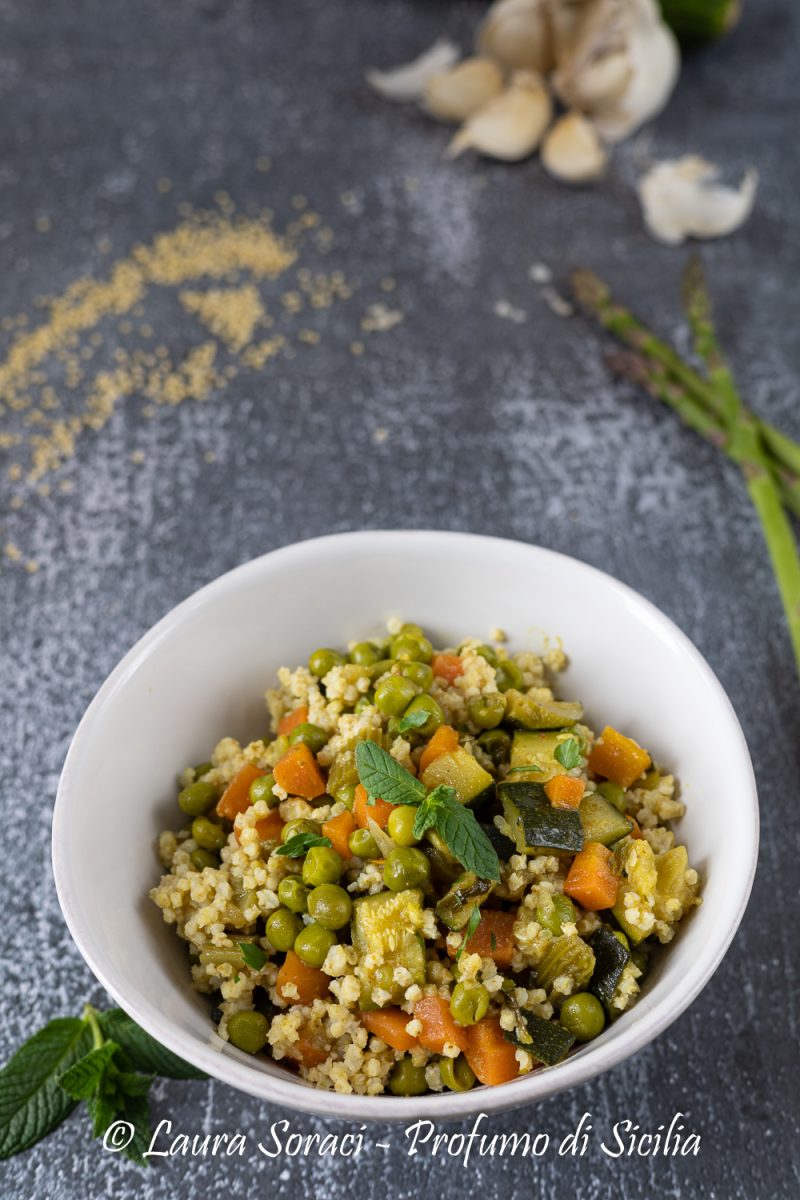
pixel 714 409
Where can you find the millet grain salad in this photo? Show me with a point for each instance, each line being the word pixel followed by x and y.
pixel 430 873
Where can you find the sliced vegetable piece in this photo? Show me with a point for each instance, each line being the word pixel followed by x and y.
pixel 492 1057
pixel 338 829
pixel 524 712
pixel 671 885
pixel 547 1041
pixel 438 1025
pixel 636 863
pixel 389 1024
pixel 460 770
pixel 363 811
pixel 307 1052
pixel 592 881
pixel 568 955
pixel 444 741
pixel 601 821
pixel 236 797
pixel 387 926
pixel 610 959
pixel 298 983
pixel 447 666
pixel 493 938
pixel 466 893
pixel 531 748
pixel 618 758
pixel 503 845
pixel 564 791
pixel 298 774
pixel 297 716
pixel 535 824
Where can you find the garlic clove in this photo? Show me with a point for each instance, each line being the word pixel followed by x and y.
pixel 407 82
pixel 655 63
pixel 516 33
pixel 599 85
pixel 510 126
pixel 456 94
pixel 572 150
pixel 681 198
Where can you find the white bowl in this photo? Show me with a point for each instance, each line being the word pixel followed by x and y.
pixel 201 672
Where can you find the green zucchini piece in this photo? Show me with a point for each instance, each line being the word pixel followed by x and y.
pixel 387 926
pixel 467 893
pixel 601 821
pixel 566 955
pixel 610 960
pixel 635 862
pixel 503 845
pixel 535 824
pixel 445 868
pixel 548 1042
pixel 523 712
pixel 530 748
pixel 458 769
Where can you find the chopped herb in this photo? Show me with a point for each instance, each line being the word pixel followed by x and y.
pixel 384 778
pixel 472 924
pixel 253 955
pixel 413 720
pixel 297 846
pixel 568 753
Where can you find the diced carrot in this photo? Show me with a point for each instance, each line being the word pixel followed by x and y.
pixel 491 1056
pixel 389 1024
pixel 338 829
pixel 591 879
pixel 236 797
pixel 444 741
pixel 311 984
pixel 269 828
pixel 493 938
pixel 380 811
pixel 447 666
pixel 296 717
pixel 618 758
pixel 564 791
pixel 298 774
pixel 636 832
pixel 307 1052
pixel 438 1024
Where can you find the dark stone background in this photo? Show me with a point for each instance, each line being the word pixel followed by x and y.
pixel 493 426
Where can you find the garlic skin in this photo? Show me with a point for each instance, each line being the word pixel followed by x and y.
pixel 572 150
pixel 510 126
pixel 516 33
pixel 619 66
pixel 408 82
pixel 681 198
pixel 456 94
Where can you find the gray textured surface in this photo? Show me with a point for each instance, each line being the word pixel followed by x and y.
pixel 492 426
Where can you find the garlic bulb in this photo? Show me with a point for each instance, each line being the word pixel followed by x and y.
pixel 681 198
pixel 619 66
pixel 572 150
pixel 510 126
pixel 456 94
pixel 516 34
pixel 408 82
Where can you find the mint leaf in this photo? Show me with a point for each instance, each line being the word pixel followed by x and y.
pixel 472 924
pixel 427 814
pixel 297 846
pixel 31 1102
pixel 83 1078
pixel 142 1052
pixel 461 833
pixel 413 720
pixel 253 955
pixel 568 753
pixel 384 778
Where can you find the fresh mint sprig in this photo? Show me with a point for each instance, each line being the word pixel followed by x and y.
pixel 568 753
pixel 301 843
pixel 384 779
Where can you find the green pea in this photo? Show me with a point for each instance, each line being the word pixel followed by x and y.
pixel 299 825
pixel 262 789
pixel 365 701
pixel 651 780
pixel 310 735
pixel 393 695
pixel 420 674
pixel 508 675
pixel 613 793
pixel 487 711
pixel 497 744
pixel 559 911
pixel 282 928
pixel 313 943
pixel 248 1031
pixel 582 1015
pixel 196 799
pixel 407 647
pixel 469 1003
pixel 322 661
pixel 202 769
pixel 365 653
pixel 456 1073
pixel 346 795
pixel 330 906
pixel 293 894
pixel 407 1080
pixel 489 653
pixel 405 868
pixel 322 865
pixel 203 858
pixel 400 825
pixel 363 844
pixel 375 670
pixel 412 630
pixel 433 711
pixel 207 834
